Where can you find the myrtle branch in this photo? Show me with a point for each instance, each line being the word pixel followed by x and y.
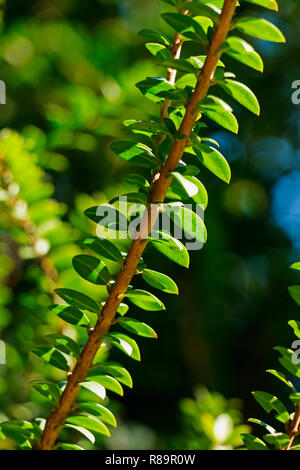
pixel 159 187
pixel 294 427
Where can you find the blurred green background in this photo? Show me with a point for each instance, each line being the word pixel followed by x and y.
pixel 70 69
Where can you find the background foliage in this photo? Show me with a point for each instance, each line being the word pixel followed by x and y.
pixel 70 71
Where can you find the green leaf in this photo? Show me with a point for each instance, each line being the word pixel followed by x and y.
pixel 279 439
pixel 122 309
pixel 138 154
pixel 220 112
pixel 125 344
pixel 160 281
pixel 52 356
pixel 157 89
pixel 187 170
pixel 295 398
pixel 78 300
pixel 20 430
pixel 171 248
pixel 91 269
pixel 104 248
pixel 261 423
pixel 114 369
pixel 253 443
pixel 95 388
pixel 271 4
pixel 188 27
pixel 259 28
pixel 296 327
pixel 198 9
pixel 64 344
pixel 90 423
pixel 240 50
pixel 82 431
pixel 296 266
pixel 189 183
pixel 100 411
pixel 160 51
pixel 139 198
pixel 154 36
pixel 70 314
pixel 150 127
pixel 137 327
pixel 295 293
pixel 242 94
pixel 187 80
pixel 182 65
pixel 190 188
pixel 144 300
pixel 287 360
pixel 47 389
pixel 136 180
pixel 214 161
pixel 188 221
pixel 281 377
pixel 66 446
pixel 110 383
pixel 270 402
pixel 106 215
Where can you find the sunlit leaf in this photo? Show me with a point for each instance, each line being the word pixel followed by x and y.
pixel 112 368
pixel 104 248
pixel 240 50
pixel 137 327
pixel 52 356
pixel 270 402
pixel 110 383
pixel 144 300
pixel 66 446
pixel 88 422
pixel 242 94
pixel 90 436
pixel 188 27
pixel 70 314
pixel 64 344
pixel 91 269
pixel 154 36
pixel 125 344
pixel 95 388
pixel 281 377
pixel 271 4
pixel 220 112
pixel 47 389
pixel 260 28
pixel 98 410
pixel 253 443
pixel 171 248
pixel 261 423
pixel 214 161
pixel 138 154
pixel 78 299
pixel 160 281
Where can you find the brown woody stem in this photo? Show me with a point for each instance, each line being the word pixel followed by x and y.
pixel 294 428
pixel 158 191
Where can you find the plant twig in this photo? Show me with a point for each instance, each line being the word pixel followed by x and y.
pixel 158 191
pixel 294 428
